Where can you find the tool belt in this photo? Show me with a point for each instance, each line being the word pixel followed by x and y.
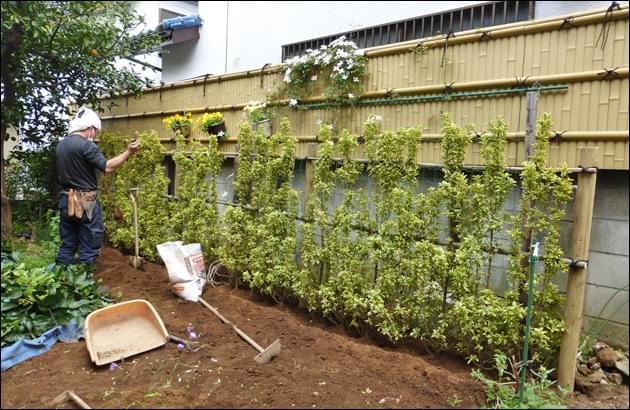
pixel 79 202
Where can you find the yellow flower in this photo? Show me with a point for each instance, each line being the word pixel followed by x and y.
pixel 209 120
pixel 176 122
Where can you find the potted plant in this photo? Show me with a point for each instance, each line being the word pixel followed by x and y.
pixel 213 124
pixel 258 115
pixel 179 123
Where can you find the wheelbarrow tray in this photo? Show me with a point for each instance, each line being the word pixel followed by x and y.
pixel 122 330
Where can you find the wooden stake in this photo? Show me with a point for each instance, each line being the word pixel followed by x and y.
pixel 576 284
pixel 530 130
pixel 530 139
pixel 311 153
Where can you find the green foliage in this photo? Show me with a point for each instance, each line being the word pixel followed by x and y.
pixel 32 175
pixel 35 298
pixel 486 323
pixel 143 171
pixel 542 206
pixel 315 259
pixel 407 264
pixel 503 393
pixel 55 52
pixel 195 215
pixel 59 51
pixel 267 221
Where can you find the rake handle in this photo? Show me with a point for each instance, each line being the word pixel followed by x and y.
pixel 236 329
pixel 78 400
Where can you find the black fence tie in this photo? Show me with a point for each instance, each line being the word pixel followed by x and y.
pixel 262 71
pixel 448 89
pixel 610 74
pixel 520 82
pixel 449 35
pixel 476 137
pixel 588 170
pixel 485 36
pixel 161 85
pixel 557 136
pixel 603 34
pixel 389 93
pixel 567 23
pixel 205 78
pixel 574 264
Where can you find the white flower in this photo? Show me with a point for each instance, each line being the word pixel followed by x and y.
pixel 314 78
pixel 293 102
pixel 359 52
pixel 221 133
pixel 350 95
pixel 378 118
pixel 355 79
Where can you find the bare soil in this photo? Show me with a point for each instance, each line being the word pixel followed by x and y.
pixel 320 366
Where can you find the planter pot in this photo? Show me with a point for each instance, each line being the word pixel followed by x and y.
pixel 264 126
pixel 185 131
pixel 219 130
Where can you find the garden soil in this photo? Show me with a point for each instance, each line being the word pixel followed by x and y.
pixel 320 366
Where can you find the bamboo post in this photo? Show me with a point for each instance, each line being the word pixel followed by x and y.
pixel 311 154
pixel 530 130
pixel 237 160
pixel 576 283
pixel 530 139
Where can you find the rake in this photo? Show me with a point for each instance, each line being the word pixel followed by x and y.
pixel 264 355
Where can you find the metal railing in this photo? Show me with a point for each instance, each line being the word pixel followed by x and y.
pixel 452 21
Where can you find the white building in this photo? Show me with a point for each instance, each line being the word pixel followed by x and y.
pixel 243 35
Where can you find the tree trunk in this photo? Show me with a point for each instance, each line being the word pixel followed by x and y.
pixel 14 37
pixel 7 222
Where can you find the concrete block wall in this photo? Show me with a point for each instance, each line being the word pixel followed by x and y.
pixel 606 299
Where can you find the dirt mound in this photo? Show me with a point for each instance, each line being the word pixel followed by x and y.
pixel 319 365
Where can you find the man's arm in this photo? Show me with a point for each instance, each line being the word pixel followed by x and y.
pixel 118 160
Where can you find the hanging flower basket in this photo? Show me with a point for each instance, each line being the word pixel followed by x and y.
pixel 185 130
pixel 264 126
pixel 179 123
pixel 219 130
pixel 213 124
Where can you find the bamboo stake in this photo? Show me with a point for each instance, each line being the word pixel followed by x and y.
pixel 576 284
pixel 311 154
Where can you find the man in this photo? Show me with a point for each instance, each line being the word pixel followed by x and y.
pixel 79 161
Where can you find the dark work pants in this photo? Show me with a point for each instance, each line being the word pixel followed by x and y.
pixel 83 234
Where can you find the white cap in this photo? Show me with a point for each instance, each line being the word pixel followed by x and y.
pixel 84 119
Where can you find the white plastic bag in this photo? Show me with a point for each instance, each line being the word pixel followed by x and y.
pixel 190 290
pixel 185 266
pixel 194 260
pixel 175 262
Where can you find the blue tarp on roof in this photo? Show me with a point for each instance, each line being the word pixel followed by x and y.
pixel 181 22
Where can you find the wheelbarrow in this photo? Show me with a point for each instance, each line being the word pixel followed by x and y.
pixel 125 329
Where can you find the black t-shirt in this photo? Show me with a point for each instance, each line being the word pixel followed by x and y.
pixel 78 163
